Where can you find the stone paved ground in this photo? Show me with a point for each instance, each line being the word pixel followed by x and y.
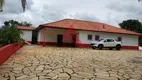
pixel 54 63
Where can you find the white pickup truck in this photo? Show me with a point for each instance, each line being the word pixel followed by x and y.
pixel 107 43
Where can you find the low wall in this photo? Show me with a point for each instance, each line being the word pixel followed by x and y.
pixel 7 51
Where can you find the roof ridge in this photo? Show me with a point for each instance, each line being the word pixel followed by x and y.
pixel 79 20
pixel 91 22
pixel 88 25
pixel 53 22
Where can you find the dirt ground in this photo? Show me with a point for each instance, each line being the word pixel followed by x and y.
pixel 62 63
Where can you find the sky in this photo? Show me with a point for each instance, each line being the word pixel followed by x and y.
pixel 38 12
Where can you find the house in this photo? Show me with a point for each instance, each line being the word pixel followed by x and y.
pixel 79 33
pixel 27 32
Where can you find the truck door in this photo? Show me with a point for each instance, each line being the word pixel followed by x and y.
pixel 109 43
pixel 106 43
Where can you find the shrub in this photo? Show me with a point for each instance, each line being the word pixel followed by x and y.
pixel 9 33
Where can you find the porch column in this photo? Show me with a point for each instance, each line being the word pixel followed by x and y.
pixel 44 36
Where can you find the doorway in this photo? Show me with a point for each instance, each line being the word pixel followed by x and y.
pixel 60 40
pixel 34 36
pixel 73 40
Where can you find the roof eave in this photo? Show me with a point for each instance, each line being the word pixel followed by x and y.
pixel 42 26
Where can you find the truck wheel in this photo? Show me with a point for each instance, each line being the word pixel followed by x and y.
pixel 100 47
pixel 118 47
pixel 110 48
pixel 93 47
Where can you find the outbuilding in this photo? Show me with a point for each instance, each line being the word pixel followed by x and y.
pixel 79 33
pixel 27 33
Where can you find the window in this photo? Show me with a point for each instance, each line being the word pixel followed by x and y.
pixel 119 39
pixel 97 37
pixel 109 40
pixel 89 37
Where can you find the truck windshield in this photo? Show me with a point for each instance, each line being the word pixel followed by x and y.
pixel 101 40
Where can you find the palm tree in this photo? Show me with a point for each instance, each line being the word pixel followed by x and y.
pixel 23 3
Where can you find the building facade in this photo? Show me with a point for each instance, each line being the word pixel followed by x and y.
pixel 79 33
pixel 27 33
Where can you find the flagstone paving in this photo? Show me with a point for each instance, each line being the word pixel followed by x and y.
pixel 54 63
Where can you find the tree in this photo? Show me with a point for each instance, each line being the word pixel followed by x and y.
pixel 132 25
pixel 25 23
pixel 14 22
pixel 9 33
pixel 23 3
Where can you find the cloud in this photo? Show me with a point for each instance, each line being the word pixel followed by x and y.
pixel 34 13
pixel 12 9
pixel 14 6
pixel 127 6
pixel 127 9
pixel 84 16
pixel 44 11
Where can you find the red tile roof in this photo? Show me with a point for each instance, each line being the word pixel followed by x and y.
pixel 25 28
pixel 88 26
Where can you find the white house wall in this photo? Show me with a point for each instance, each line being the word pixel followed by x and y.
pixel 127 40
pixel 51 36
pixel 27 35
pixel 39 36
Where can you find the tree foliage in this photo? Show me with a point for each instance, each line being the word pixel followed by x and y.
pixel 23 3
pixel 9 33
pixel 132 25
pixel 25 23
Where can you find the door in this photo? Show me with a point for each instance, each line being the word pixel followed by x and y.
pixel 74 40
pixel 59 40
pixel 34 37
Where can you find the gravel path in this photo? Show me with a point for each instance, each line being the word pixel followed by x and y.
pixel 55 63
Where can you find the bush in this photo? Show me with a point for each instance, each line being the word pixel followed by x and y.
pixel 9 33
